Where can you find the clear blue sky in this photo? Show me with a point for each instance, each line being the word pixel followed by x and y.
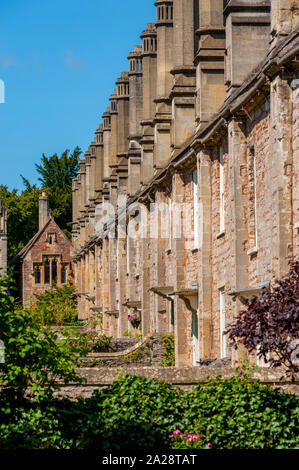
pixel 59 60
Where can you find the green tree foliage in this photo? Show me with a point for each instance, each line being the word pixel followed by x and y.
pixel 36 358
pixel 56 175
pixel 22 216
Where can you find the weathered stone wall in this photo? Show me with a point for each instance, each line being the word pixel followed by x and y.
pixel 295 146
pixel 185 378
pixel 246 95
pixel 147 352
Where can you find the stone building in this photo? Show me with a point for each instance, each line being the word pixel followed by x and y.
pixel 3 240
pixel 198 155
pixel 46 259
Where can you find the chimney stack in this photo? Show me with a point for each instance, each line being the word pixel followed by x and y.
pixel 44 210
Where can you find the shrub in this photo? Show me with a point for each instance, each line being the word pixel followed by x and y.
pixel 238 414
pixel 146 414
pixel 36 358
pixel 140 411
pixel 270 324
pixel 57 306
pixel 96 343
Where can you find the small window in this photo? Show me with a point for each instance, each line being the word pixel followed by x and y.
pixel 63 275
pixel 223 349
pixel 54 271
pixel 51 238
pixel 37 275
pixel 195 209
pixel 47 272
pixel 221 190
pixel 172 313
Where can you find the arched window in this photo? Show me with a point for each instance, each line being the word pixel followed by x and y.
pixel 54 271
pixel 47 271
pixel 37 275
pixel 63 275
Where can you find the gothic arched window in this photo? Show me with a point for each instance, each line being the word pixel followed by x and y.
pixel 37 275
pixel 63 275
pixel 47 271
pixel 54 271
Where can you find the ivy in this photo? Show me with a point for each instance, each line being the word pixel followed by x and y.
pixel 168 358
pixel 146 414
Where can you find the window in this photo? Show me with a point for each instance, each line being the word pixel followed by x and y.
pixel 195 209
pixel 171 314
pixel 222 323
pixel 37 275
pixel 51 238
pixel 63 275
pixel 195 338
pixel 169 225
pixel 221 187
pixel 54 271
pixel 47 271
pixel 252 198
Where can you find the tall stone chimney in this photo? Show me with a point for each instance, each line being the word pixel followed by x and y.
pixel 44 211
pixel 3 240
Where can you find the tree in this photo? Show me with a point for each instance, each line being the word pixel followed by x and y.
pixel 22 207
pixel 56 172
pixel 22 216
pixel 56 175
pixel 36 358
pixel 270 324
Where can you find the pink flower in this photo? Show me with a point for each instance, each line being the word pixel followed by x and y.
pixel 176 432
pixel 209 444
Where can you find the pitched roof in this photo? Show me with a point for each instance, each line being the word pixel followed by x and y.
pixel 21 255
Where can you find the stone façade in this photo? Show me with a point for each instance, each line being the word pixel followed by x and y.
pixel 208 115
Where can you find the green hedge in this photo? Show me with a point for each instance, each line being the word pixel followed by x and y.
pixel 143 413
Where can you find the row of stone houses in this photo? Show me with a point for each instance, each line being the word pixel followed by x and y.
pixel 186 202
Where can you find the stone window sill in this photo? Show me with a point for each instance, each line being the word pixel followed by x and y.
pixel 253 251
pixel 220 234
